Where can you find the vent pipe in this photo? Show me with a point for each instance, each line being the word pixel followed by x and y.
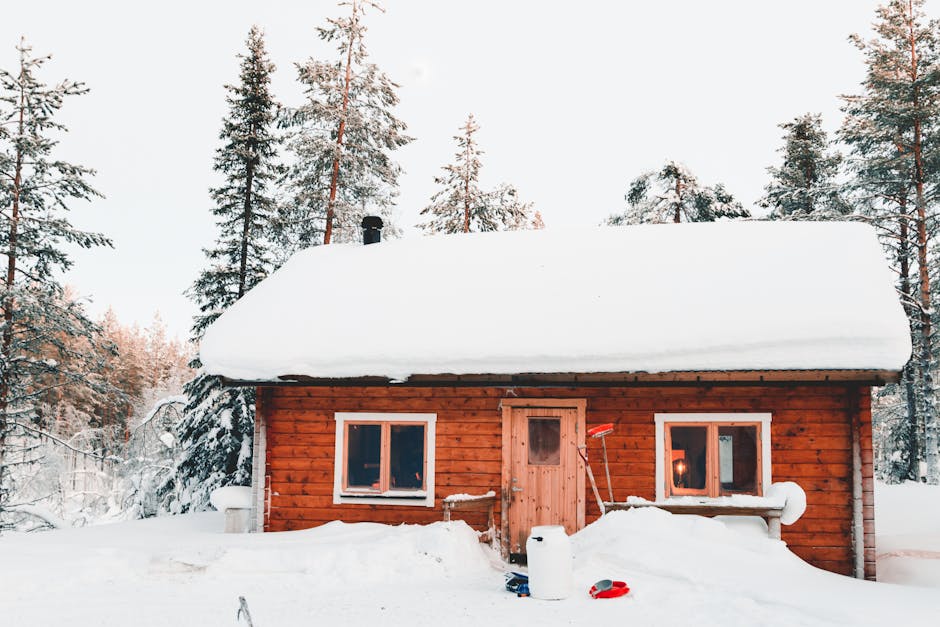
pixel 371 230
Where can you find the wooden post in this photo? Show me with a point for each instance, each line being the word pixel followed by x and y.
pixel 773 526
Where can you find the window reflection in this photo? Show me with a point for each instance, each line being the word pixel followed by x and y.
pixel 407 457
pixel 545 441
pixel 364 456
pixel 737 458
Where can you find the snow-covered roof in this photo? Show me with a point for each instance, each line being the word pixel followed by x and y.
pixel 651 298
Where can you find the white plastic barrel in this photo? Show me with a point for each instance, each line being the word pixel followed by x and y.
pixel 549 555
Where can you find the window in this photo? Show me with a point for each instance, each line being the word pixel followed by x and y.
pixel 712 455
pixel 384 458
pixel 545 441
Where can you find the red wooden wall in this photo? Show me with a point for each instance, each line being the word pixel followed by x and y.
pixel 811 444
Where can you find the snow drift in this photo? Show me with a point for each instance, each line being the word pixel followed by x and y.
pixel 182 570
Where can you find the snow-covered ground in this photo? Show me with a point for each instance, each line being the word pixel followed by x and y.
pixel 908 533
pixel 682 570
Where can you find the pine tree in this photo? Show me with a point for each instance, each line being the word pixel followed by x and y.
pixel 215 433
pixel 461 206
pixel 882 188
pixel 804 186
pixel 893 128
pixel 673 194
pixel 38 318
pixel 341 141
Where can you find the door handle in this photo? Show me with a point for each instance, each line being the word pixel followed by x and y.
pixel 515 489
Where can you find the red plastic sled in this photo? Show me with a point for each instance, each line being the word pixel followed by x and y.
pixel 607 589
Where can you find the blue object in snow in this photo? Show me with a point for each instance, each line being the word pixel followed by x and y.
pixel 518 583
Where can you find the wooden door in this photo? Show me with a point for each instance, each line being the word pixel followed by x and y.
pixel 544 477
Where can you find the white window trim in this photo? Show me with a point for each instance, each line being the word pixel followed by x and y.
pixel 340 497
pixel 661 419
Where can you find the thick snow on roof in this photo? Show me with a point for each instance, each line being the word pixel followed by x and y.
pixel 652 298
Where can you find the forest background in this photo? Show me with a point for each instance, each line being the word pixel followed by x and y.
pixel 101 420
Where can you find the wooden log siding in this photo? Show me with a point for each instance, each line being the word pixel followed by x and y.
pixel 810 440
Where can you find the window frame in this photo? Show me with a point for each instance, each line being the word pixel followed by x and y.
pixel 712 421
pixel 385 495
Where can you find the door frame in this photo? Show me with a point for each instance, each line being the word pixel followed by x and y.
pixel 507 405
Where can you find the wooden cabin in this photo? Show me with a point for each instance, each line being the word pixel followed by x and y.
pixel 727 356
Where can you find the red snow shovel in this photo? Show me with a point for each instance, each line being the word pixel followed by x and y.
pixel 599 432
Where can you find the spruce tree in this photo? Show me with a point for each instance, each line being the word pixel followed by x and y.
pixel 805 185
pixel 673 194
pixel 39 320
pixel 341 141
pixel 215 433
pixel 461 206
pixel 893 129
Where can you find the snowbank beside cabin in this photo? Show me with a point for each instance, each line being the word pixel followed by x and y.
pixel 907 532
pixel 183 571
pixel 650 298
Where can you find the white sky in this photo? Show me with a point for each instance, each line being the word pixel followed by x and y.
pixel 574 99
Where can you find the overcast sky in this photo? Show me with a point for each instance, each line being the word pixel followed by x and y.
pixel 574 99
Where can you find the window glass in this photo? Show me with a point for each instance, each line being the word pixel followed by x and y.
pixel 407 457
pixel 689 457
pixel 737 458
pixel 363 456
pixel 545 441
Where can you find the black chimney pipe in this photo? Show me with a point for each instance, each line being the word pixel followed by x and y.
pixel 371 230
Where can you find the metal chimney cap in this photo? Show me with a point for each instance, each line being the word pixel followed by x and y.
pixel 371 230
pixel 372 222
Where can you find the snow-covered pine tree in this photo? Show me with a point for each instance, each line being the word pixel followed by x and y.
pixel 341 141
pixel 461 206
pixel 805 185
pixel 882 190
pixel 673 194
pixel 38 320
pixel 893 128
pixel 215 433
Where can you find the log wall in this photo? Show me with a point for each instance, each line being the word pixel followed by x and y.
pixel 810 438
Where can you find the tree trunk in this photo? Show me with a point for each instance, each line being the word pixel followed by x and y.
pixel 246 226
pixel 904 255
pixel 678 216
pixel 927 420
pixel 908 377
pixel 334 178
pixel 8 302
pixel 466 184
